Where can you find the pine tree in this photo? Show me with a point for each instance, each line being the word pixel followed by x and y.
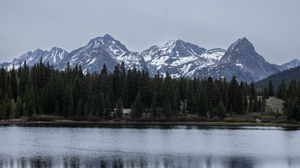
pixel 13 109
pixel 13 83
pixel 281 90
pixel 119 108
pixel 102 106
pixel 168 110
pixel 292 90
pixel 154 106
pixel 107 107
pixel 221 110
pixel 70 105
pixel 79 110
pixel 86 109
pixel 144 90
pixel 116 84
pixel 270 89
pixel 19 107
pixel 137 109
pixel 3 83
pixel 232 95
pixel 252 98
pixel 6 107
pixel 201 103
pixel 57 108
pixel 29 101
pixel 238 101
pixel 292 109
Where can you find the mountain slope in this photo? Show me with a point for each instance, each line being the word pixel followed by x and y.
pixel 286 75
pixel 292 64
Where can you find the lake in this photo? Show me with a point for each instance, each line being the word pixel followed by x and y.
pixel 156 146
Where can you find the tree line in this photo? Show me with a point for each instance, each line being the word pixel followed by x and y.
pixel 43 90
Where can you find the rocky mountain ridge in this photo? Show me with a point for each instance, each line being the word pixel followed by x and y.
pixel 176 57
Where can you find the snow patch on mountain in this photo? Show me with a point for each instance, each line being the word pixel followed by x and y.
pixel 179 58
pixel 214 54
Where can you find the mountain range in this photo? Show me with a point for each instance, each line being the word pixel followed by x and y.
pixel 176 57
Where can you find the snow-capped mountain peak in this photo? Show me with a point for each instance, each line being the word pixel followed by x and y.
pixel 180 48
pixel 111 45
pixel 100 51
pixel 176 57
pixel 241 60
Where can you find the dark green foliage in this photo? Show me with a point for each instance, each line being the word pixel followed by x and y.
pixel 137 108
pixel 270 89
pixel 291 94
pixel 107 108
pixel 292 109
pixel 232 96
pixel 219 111
pixel 71 94
pixel 281 90
pixel 119 108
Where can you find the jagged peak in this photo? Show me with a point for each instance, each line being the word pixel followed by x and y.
pixel 178 43
pixel 244 41
pixel 108 37
pixel 109 42
pixel 104 38
pixel 57 49
pixel 38 50
pixel 175 42
pixel 28 53
pixel 169 43
pixel 154 47
pixel 241 44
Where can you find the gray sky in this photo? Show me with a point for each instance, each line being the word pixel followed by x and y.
pixel 273 26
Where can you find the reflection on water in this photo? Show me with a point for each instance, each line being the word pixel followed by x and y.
pixel 187 147
pixel 119 162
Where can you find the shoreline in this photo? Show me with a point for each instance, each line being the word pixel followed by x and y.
pixel 72 123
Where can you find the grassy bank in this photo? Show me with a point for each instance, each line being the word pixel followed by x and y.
pixel 145 123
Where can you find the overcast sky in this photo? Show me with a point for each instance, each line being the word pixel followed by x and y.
pixel 273 26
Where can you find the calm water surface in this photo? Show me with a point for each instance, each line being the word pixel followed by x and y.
pixel 209 147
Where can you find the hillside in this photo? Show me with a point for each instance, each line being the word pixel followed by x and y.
pixel 287 75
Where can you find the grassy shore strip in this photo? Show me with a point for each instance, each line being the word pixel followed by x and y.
pixel 128 123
